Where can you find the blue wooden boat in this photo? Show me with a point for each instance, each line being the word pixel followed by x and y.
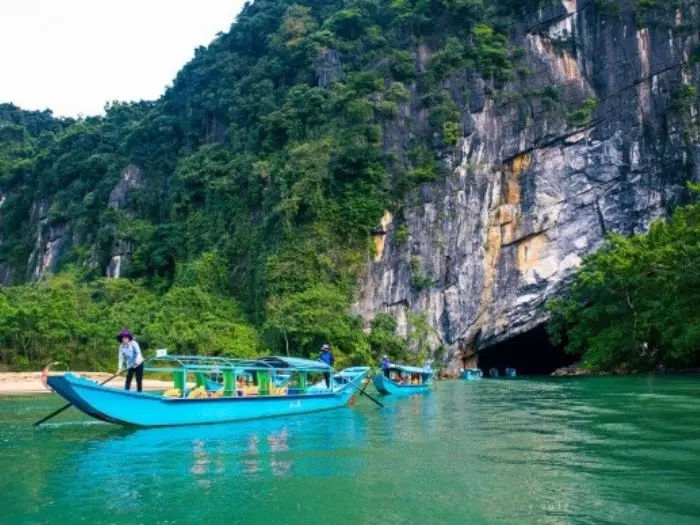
pixel 471 374
pixel 238 398
pixel 400 379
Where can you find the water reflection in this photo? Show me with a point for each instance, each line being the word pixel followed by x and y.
pixel 211 454
pixel 590 451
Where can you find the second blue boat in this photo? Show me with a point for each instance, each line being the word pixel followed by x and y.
pixel 400 379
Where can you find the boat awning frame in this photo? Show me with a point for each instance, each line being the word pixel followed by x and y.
pixel 197 363
pixel 410 369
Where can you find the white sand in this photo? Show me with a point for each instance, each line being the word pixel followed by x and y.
pixel 12 383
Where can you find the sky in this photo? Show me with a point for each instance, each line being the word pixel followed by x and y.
pixel 73 56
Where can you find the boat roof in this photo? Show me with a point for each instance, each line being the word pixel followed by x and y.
pixel 410 369
pixel 197 363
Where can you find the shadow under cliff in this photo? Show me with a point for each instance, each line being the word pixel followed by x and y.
pixel 530 353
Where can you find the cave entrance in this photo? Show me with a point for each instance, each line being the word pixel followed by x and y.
pixel 530 353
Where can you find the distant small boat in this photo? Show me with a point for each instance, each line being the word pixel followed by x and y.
pixel 471 374
pixel 510 373
pixel 400 379
pixel 493 372
pixel 238 398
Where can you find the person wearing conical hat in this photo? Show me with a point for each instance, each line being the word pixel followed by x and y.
pixel 130 355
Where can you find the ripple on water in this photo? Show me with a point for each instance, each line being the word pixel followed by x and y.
pixel 596 450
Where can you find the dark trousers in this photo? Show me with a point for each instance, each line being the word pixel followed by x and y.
pixel 130 373
pixel 327 377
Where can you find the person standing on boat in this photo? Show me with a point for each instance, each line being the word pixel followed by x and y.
pixel 327 357
pixel 130 355
pixel 385 364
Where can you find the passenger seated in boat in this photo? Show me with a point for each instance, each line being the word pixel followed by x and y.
pixel 216 394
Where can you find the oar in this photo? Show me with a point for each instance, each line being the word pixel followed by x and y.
pixel 363 393
pixel 53 414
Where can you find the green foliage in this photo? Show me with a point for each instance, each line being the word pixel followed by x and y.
pixel 262 169
pixel 451 132
pixel 384 341
pixel 425 169
pixel 402 66
pixel 401 235
pixel 584 113
pixel 447 60
pixel 681 107
pixel 420 334
pixel 61 319
pixel 397 92
pixel 683 99
pixel 348 23
pixel 444 117
pixel 419 280
pixel 608 7
pixel 301 322
pixel 491 53
pixel 694 57
pixel 633 305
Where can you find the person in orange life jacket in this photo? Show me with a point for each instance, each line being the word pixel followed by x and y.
pixel 327 357
pixel 130 355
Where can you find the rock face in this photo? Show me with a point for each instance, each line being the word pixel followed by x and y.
pixel 132 179
pixel 50 241
pixel 53 238
pixel 328 68
pixel 584 145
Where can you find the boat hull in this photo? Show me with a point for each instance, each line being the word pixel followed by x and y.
pixel 150 410
pixel 386 386
pixel 471 375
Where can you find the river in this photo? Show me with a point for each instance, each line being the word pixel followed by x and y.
pixel 551 451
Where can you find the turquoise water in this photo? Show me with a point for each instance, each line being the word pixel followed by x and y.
pixel 592 450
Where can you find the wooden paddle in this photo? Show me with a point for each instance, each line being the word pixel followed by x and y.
pixel 53 414
pixel 363 393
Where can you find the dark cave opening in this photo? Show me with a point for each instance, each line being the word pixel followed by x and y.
pixel 530 353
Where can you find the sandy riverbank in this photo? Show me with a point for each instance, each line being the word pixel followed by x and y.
pixel 14 383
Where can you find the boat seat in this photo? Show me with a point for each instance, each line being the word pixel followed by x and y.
pixel 250 391
pixel 172 392
pixel 217 393
pixel 197 393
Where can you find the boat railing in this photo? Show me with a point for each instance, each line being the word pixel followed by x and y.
pixel 217 363
pixel 269 374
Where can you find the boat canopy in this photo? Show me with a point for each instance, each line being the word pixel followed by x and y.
pixel 197 363
pixel 410 369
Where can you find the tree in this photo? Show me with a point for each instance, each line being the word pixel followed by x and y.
pixel 633 305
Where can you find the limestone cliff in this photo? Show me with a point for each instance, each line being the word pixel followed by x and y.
pixel 586 142
pixel 504 138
